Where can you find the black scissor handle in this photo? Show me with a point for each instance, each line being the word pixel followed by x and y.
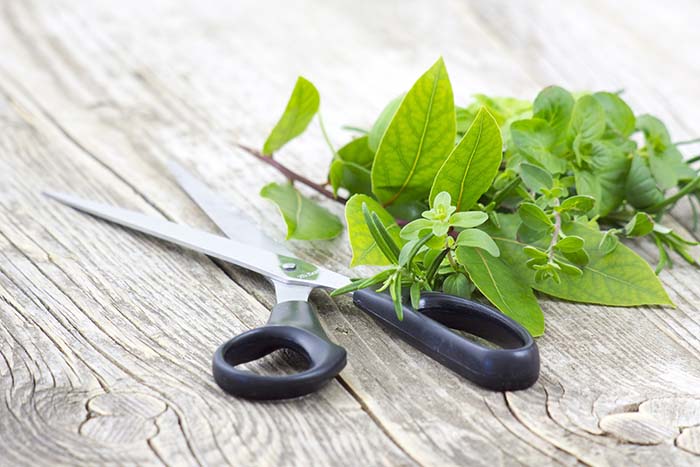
pixel 516 365
pixel 292 325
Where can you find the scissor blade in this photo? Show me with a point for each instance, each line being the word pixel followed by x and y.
pixel 284 268
pixel 233 222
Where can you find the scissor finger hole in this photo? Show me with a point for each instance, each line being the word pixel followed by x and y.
pixel 275 359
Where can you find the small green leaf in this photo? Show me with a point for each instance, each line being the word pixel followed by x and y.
pixel 358 152
pixel 535 253
pixel 578 257
pixel 587 120
pixel 395 291
pixel 604 178
pixel 301 108
pixel 382 122
pixel 655 132
pixel 478 239
pixel 473 164
pixel 305 219
pixel 567 268
pixel 570 244
pixel 411 249
pixel 641 191
pixel 364 248
pixel 554 105
pixel 536 178
pixel 618 115
pixel 352 177
pixel 415 295
pixel 640 225
pixel 668 167
pixel 380 235
pixel 468 219
pixel 457 284
pixel 417 140
pixel 502 285
pixel 363 283
pixel 534 217
pixel 577 204
pixel 414 229
pixel 536 140
pixel 608 242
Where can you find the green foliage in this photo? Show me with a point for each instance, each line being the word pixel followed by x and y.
pixel 305 219
pixel 419 136
pixel 472 165
pixel 350 168
pixel 364 247
pixel 301 108
pixel 380 125
pixel 507 198
pixel 501 285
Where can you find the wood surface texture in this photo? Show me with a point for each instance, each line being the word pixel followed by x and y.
pixel 106 336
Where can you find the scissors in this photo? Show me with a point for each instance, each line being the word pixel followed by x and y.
pixel 513 363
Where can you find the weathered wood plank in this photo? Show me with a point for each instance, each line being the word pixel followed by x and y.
pixel 118 105
pixel 107 337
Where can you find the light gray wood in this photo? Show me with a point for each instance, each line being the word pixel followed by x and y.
pixel 106 336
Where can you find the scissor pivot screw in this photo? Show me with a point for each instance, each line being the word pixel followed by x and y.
pixel 289 266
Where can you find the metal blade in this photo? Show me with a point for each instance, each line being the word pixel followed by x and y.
pixel 233 222
pixel 283 268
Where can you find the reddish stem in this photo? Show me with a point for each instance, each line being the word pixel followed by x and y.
pixel 293 176
pixel 290 174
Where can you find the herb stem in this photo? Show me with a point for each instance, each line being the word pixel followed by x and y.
pixel 451 259
pixel 290 174
pixel 326 137
pixel 689 187
pixel 693 159
pixel 555 234
pixel 688 141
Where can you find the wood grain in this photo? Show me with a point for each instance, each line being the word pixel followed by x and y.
pixel 106 336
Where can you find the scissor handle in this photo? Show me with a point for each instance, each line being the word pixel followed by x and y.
pixel 292 325
pixel 516 365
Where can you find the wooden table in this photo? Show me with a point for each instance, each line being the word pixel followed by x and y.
pixel 106 336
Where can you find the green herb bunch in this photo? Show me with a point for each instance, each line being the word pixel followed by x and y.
pixel 504 196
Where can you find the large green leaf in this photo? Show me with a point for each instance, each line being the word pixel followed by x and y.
pixel 417 141
pixel 301 108
pixel 535 139
pixel 364 248
pixel 382 122
pixel 604 178
pixel 305 219
pixel 495 278
pixel 473 163
pixel 619 278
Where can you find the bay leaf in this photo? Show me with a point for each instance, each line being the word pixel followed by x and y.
pixel 301 108
pixel 417 140
pixel 473 164
pixel 305 219
pixel 498 282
